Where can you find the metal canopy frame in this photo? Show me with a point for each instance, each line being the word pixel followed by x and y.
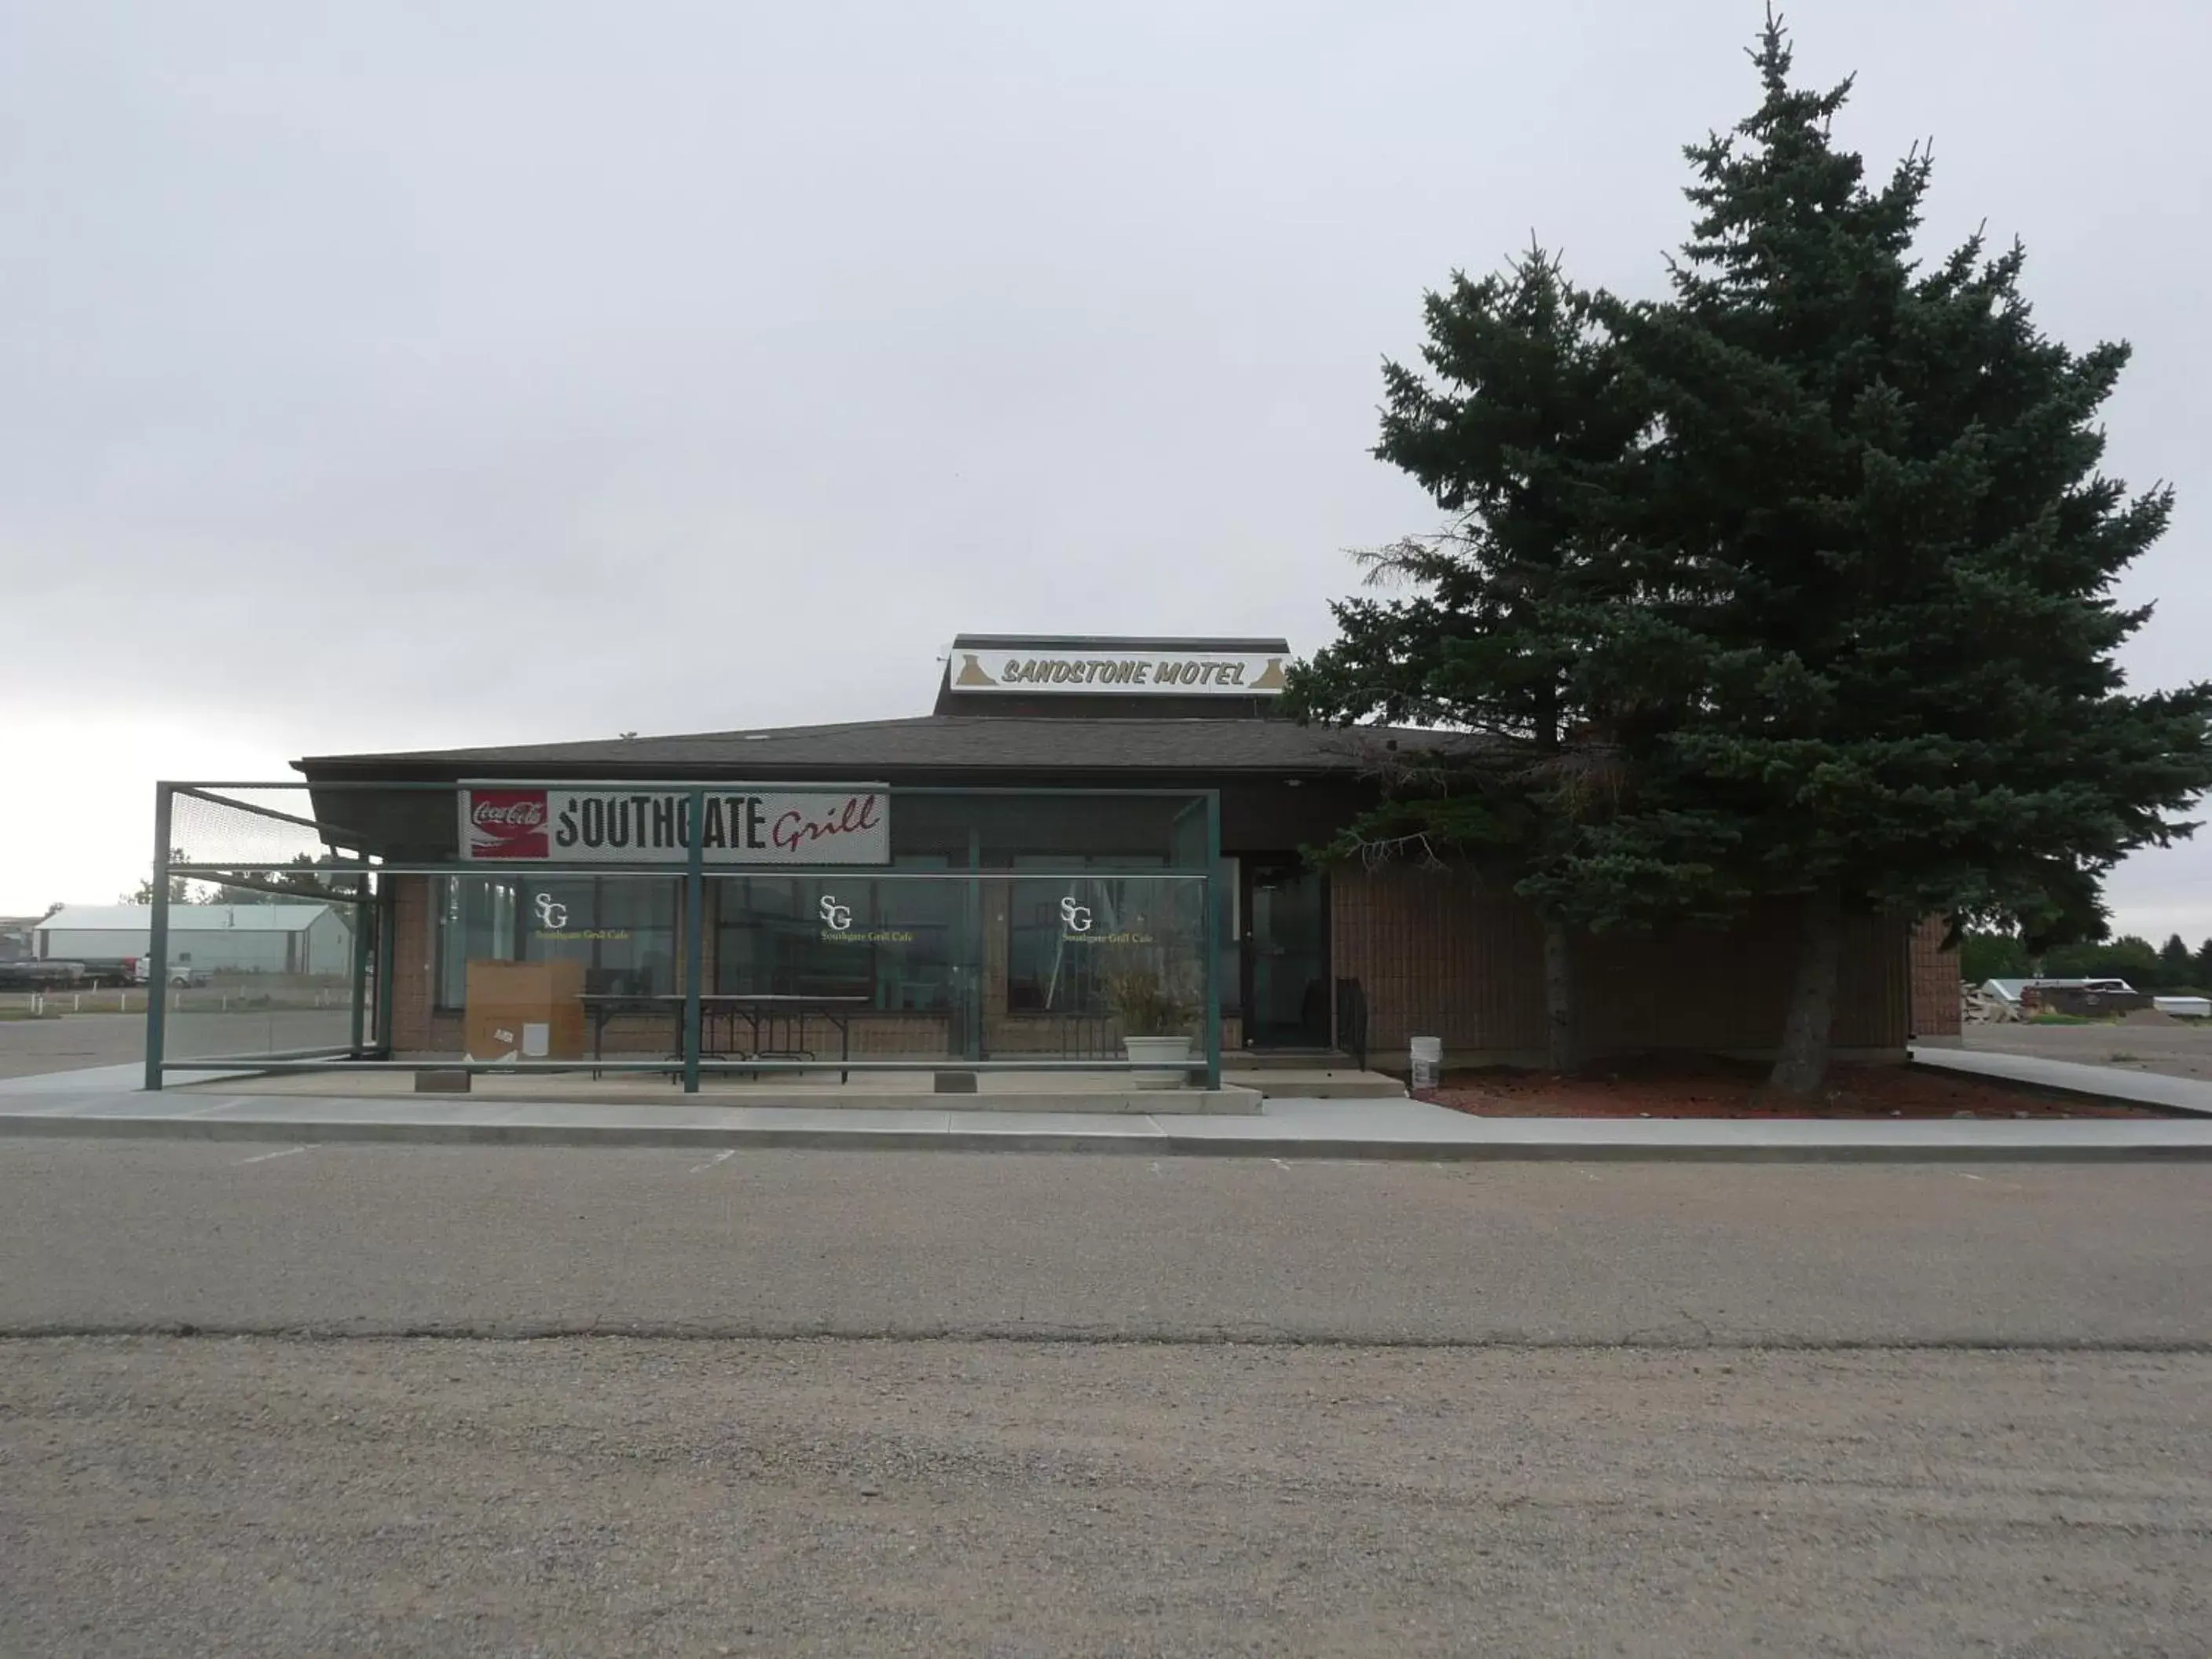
pixel 369 1045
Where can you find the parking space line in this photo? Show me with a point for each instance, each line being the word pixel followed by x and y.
pixel 215 1106
pixel 264 1157
pixel 718 1158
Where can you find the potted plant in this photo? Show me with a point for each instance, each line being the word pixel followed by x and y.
pixel 1155 1025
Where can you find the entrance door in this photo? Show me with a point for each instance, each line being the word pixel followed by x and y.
pixel 1286 988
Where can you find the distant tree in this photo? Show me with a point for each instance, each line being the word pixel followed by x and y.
pixel 2129 957
pixel 180 891
pixel 1985 955
pixel 300 883
pixel 302 880
pixel 2205 967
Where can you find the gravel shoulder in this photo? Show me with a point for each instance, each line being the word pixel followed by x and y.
pixel 251 1497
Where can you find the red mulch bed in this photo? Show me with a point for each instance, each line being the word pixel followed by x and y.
pixel 1713 1086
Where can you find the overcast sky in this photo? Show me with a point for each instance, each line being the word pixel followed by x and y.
pixel 385 376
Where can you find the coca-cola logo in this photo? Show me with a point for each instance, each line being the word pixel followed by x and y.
pixel 508 824
pixel 521 814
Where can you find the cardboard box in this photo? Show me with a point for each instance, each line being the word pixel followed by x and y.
pixel 524 1010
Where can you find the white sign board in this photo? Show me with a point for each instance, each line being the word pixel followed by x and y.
pixel 1117 673
pixel 608 824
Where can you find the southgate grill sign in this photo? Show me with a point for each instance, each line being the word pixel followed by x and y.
pixel 654 826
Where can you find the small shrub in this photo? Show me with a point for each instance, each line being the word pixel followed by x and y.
pixel 1144 1005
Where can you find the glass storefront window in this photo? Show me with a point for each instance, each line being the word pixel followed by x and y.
pixel 896 942
pixel 476 923
pixel 622 930
pixel 1050 966
pixel 1069 939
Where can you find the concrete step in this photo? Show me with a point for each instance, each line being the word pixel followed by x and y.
pixel 1317 1083
pixel 1285 1060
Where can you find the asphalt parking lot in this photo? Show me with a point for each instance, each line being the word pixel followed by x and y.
pixel 263 1399
pixel 2181 1048
pixel 31 1048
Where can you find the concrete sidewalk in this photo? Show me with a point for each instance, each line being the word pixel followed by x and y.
pixel 102 1102
pixel 2172 1094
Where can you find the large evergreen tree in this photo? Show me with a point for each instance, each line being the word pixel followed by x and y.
pixel 1515 411
pixel 1866 658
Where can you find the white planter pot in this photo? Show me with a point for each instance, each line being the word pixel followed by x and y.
pixel 1161 1051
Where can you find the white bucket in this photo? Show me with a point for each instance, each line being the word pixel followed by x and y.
pixel 1427 1053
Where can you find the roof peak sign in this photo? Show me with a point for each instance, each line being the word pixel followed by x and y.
pixel 1115 668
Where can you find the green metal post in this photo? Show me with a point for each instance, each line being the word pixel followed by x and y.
pixel 387 953
pixel 363 918
pixel 157 942
pixel 972 1045
pixel 1216 914
pixel 695 918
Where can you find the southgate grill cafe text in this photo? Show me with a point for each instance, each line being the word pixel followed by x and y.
pixel 652 826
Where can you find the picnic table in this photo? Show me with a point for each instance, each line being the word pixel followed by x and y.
pixel 774 1022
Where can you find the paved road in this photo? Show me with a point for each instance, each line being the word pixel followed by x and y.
pixel 1635 1438
pixel 247 1236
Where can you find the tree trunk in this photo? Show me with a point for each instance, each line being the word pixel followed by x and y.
pixel 1802 1065
pixel 1558 998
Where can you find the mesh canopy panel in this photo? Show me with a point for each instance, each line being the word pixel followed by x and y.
pixel 246 829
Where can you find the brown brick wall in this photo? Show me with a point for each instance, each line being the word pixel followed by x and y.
pixel 1935 972
pixel 415 1028
pixel 1445 953
pixel 1439 954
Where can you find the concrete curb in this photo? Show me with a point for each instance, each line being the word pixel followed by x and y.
pixel 1168 1144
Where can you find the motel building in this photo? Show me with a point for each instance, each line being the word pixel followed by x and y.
pixel 1083 841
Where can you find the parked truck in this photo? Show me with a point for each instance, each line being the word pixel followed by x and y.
pixel 114 971
pixel 90 972
pixel 38 974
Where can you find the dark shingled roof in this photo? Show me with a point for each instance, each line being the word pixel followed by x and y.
pixel 869 750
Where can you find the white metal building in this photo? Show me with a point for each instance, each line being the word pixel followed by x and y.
pixel 253 938
pixel 2009 991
